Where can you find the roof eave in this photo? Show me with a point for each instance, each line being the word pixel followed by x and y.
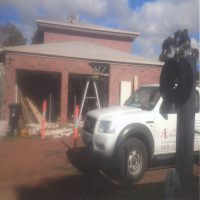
pixel 48 24
pixel 91 59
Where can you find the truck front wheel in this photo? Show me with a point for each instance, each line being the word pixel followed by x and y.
pixel 135 160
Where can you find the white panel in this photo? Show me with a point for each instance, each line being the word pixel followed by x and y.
pixel 125 91
pixel 135 84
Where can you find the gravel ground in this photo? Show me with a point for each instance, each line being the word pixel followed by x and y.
pixel 23 174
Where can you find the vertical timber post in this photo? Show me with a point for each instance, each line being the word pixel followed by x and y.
pixel 185 139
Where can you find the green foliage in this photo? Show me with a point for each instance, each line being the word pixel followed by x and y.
pixel 11 36
pixel 178 46
pixel 38 37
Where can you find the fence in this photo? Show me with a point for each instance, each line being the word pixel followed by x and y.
pixel 2 76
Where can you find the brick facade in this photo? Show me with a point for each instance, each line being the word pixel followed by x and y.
pixel 146 75
pixel 118 43
pixel 14 62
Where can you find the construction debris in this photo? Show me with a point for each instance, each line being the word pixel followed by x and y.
pixel 47 126
pixel 30 113
pixel 52 129
pixel 33 119
pixel 60 133
pixel 70 124
pixel 27 133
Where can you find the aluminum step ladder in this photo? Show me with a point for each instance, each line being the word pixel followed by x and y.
pixel 85 93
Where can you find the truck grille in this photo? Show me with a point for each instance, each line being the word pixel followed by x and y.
pixel 89 124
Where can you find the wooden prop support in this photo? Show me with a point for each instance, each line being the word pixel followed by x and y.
pixel 29 111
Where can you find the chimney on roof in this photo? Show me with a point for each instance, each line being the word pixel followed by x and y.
pixel 73 18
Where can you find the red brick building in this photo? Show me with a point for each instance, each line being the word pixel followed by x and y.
pixel 71 52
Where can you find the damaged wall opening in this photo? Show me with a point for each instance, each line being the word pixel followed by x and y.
pixel 39 86
pixel 76 89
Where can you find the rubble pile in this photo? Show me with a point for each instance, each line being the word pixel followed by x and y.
pixel 30 113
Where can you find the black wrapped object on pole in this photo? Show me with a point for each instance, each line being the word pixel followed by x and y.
pixel 185 138
pixel 177 86
pixel 15 111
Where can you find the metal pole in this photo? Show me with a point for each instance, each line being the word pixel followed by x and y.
pixel 50 108
pixel 15 87
pixel 185 140
pixel 86 88
pixel 3 83
pixel 96 92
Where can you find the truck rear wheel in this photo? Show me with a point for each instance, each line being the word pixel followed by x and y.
pixel 135 160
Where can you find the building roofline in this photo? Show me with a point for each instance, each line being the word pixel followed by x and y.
pixel 95 30
pixel 85 58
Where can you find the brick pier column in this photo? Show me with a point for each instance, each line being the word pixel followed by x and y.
pixel 64 98
pixel 9 94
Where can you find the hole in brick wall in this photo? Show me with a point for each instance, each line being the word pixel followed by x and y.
pixel 37 86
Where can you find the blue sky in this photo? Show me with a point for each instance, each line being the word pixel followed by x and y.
pixel 155 20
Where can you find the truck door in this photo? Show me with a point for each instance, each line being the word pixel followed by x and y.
pixel 165 130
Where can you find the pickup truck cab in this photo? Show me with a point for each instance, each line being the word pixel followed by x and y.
pixel 135 133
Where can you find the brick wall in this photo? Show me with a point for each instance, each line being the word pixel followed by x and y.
pixel 146 75
pixel 64 66
pixel 117 43
pixel 118 73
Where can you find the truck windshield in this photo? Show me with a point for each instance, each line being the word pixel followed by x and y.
pixel 144 98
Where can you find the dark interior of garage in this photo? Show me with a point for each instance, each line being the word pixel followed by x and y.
pixel 76 89
pixel 39 86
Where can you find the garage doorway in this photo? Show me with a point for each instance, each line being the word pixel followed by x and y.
pixel 39 86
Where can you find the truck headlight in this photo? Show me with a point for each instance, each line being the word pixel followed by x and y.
pixel 106 127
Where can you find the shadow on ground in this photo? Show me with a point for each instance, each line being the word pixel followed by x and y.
pixel 91 185
pixel 86 187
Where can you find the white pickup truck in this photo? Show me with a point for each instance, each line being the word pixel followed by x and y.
pixel 135 133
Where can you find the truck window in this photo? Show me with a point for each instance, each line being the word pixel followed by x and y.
pixel 145 98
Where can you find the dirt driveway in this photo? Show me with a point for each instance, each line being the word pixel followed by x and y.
pixel 23 175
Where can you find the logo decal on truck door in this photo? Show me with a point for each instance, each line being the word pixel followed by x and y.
pixel 168 139
pixel 164 133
